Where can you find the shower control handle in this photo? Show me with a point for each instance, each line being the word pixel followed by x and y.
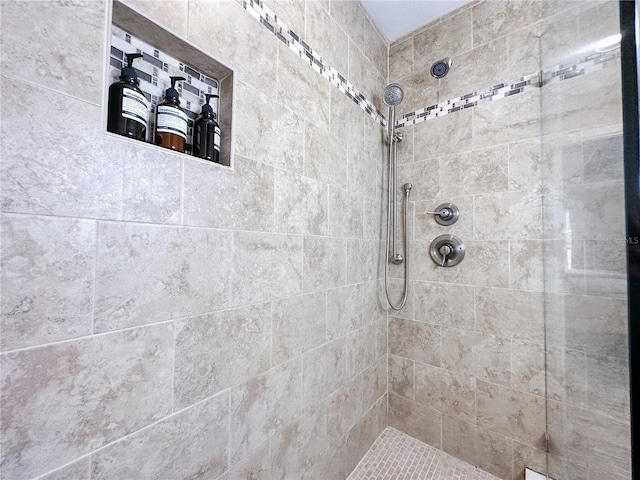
pixel 446 214
pixel 447 250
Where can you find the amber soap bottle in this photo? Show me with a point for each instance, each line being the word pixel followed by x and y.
pixel 171 120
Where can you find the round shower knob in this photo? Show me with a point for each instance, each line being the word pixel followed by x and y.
pixel 447 250
pixel 446 214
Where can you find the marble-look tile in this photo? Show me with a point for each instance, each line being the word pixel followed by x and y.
pixel 374 382
pixel 301 88
pixel 376 47
pixel 324 158
pixel 373 218
pixel 325 261
pixel 264 405
pixel 256 466
pixel 608 386
pixel 348 123
pixel 121 382
pixel 323 371
pixel 585 203
pixel 528 367
pixel 360 438
pixel 179 271
pixel 361 349
pixel 425 179
pixel 603 158
pixel 259 117
pixel 216 351
pixel 477 172
pixel 326 37
pixel 382 336
pixel 415 340
pixel 417 420
pixel 47 287
pixel 345 213
pixel 344 408
pixel 237 46
pixel 242 198
pixel 291 12
pixel 508 120
pixel 362 173
pixel 446 392
pixel 375 306
pixel 468 77
pixel 445 136
pixel 365 76
pixel 35 36
pixel 596 325
pixel 299 324
pixel 514 414
pixel 583 102
pixel 444 304
pixel 526 265
pixel 449 38
pixel 566 372
pixel 589 438
pixel 510 313
pixel 173 15
pixel 420 91
pixel 191 444
pixel 401 376
pixel 495 18
pixel 480 447
pixel 363 257
pixel 43 176
pixel 405 149
pixel 299 446
pixel 598 20
pixel 425 223
pixel 301 204
pixel 563 261
pixel 507 215
pixel 400 59
pixel 485 357
pixel 344 310
pixel 350 17
pixel 79 470
pixel 266 266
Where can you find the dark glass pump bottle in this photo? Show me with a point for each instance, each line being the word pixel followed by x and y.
pixel 127 111
pixel 206 133
pixel 171 120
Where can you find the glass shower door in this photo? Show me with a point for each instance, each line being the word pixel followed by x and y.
pixel 583 245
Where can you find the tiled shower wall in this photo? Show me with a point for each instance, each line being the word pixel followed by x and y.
pixel 164 317
pixel 533 175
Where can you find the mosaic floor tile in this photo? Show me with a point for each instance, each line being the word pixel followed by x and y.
pixel 397 456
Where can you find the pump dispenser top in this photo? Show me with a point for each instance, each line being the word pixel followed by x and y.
pixel 128 73
pixel 171 92
pixel 128 110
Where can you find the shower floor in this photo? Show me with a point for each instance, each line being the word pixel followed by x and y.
pixel 397 456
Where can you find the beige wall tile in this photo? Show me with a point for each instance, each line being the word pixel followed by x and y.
pixel 263 406
pixel 415 340
pixel 47 286
pixel 444 304
pixel 192 443
pixel 344 310
pixel 324 160
pixel 324 262
pixel 374 383
pixel 299 324
pixel 173 15
pixel 361 349
pixel 416 420
pixel 326 37
pixel 488 450
pixel 216 351
pixel 121 383
pixel 401 376
pixel 449 38
pixel 479 171
pixel 80 470
pixel 345 213
pixel 324 371
pixel 301 204
pixel 400 59
pixel 256 466
pixel 446 392
pixel 445 136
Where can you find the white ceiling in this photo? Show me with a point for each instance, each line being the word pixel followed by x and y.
pixel 396 18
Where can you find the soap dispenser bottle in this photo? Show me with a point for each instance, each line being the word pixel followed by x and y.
pixel 127 111
pixel 171 120
pixel 206 133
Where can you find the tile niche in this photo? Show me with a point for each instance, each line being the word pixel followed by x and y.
pixel 165 55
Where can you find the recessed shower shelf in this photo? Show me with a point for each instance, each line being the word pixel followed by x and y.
pixel 165 54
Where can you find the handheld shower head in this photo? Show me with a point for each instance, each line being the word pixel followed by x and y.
pixel 392 95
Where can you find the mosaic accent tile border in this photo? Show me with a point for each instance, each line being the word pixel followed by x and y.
pixel 397 456
pixel 154 70
pixel 269 20
pixel 591 62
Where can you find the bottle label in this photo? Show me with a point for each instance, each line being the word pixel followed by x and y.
pixel 134 106
pixel 172 120
pixel 216 138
